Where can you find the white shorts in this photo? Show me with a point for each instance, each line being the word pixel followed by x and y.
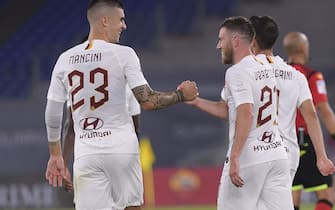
pixel 107 182
pixel 293 153
pixel 267 186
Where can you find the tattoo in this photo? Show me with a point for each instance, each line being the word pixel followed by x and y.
pixel 156 100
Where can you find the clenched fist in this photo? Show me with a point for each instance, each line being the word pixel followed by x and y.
pixel 189 90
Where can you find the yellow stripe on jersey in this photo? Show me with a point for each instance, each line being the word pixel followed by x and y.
pixel 257 60
pixel 270 59
pixel 89 45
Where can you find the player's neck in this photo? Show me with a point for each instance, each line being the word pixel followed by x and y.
pixel 97 36
pixel 267 52
pixel 240 54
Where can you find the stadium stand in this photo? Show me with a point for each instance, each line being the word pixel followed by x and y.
pixel 179 16
pixel 219 8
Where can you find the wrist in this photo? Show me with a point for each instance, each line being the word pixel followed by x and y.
pixel 55 148
pixel 180 95
pixel 234 155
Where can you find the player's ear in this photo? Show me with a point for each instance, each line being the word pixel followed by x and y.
pixel 104 21
pixel 235 41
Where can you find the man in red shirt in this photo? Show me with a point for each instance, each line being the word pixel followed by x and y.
pixel 307 176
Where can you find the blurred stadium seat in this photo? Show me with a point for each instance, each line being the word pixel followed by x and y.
pixel 219 8
pixel 179 16
pixel 33 49
pixel 140 21
pixel 29 54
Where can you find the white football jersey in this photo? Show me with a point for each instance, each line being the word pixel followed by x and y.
pixel 134 107
pixel 292 91
pixel 252 81
pixel 95 77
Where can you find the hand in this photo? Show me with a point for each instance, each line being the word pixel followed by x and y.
pixel 234 172
pixel 189 90
pixel 67 184
pixel 325 166
pixel 55 171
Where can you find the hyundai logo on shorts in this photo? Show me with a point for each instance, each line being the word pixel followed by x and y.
pixel 91 123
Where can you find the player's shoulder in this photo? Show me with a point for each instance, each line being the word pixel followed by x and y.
pixel 282 64
pixel 122 51
pixel 70 51
pixel 115 47
pixel 308 72
pixel 75 48
pixel 247 66
pixel 247 62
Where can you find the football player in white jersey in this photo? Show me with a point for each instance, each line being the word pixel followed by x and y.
pixel 94 75
pixel 256 169
pixel 292 92
pixel 134 110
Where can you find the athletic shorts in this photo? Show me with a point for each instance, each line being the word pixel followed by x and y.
pixel 107 182
pixel 308 176
pixel 292 150
pixel 266 186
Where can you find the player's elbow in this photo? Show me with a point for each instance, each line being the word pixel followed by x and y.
pixel 147 106
pixel 310 116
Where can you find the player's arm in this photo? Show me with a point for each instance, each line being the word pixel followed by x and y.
pixel 244 117
pixel 53 120
pixel 319 92
pixel 327 116
pixel 134 110
pixel 68 145
pixel 69 137
pixel 136 122
pixel 150 99
pixel 217 109
pixel 309 114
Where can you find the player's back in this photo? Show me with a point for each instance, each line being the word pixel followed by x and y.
pixel 252 81
pixel 96 75
pixel 292 90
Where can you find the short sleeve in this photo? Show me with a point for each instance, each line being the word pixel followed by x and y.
pixel 134 107
pixel 240 87
pixel 57 90
pixel 223 96
pixel 132 69
pixel 318 88
pixel 303 88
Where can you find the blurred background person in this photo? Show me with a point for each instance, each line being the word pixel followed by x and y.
pixel 308 177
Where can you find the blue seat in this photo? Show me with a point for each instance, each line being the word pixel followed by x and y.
pixel 36 45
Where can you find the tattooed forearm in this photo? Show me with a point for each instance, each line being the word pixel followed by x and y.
pixel 150 99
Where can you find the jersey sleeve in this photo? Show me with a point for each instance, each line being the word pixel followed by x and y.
pixel 303 88
pixel 134 107
pixel 57 90
pixel 318 88
pixel 240 87
pixel 132 69
pixel 223 95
